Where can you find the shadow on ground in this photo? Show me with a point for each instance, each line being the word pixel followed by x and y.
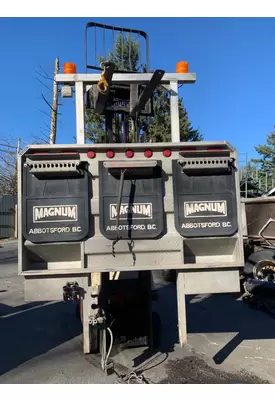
pixel 8 254
pixel 214 314
pixel 33 329
pixel 205 314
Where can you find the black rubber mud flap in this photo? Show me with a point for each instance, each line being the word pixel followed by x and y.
pixel 55 209
pixel 142 208
pixel 205 201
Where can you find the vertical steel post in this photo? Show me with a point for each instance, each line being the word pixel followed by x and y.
pixel 80 114
pixel 246 175
pixel 175 138
pixel 174 112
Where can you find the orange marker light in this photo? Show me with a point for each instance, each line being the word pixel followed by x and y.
pixel 69 68
pixel 182 67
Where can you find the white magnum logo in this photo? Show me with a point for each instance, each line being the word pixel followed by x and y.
pixel 193 209
pixel 60 213
pixel 134 211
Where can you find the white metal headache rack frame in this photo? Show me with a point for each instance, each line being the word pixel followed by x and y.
pixel 83 83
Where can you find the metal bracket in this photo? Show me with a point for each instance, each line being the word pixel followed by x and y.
pixel 97 321
pixel 263 229
pixel 54 167
pixel 147 93
pixel 205 163
pixel 72 292
pixel 100 99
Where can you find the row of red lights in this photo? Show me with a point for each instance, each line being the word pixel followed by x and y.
pixel 130 154
pixel 147 153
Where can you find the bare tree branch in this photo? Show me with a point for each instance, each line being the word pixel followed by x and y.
pixel 51 130
pixel 46 101
pixel 48 104
pixel 44 136
pixel 47 125
pixel 40 140
pixel 7 145
pixel 43 84
pixel 44 129
pixel 8 166
pixel 45 72
pixel 43 112
pixel 45 76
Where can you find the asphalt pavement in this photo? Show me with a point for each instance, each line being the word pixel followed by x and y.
pixel 41 342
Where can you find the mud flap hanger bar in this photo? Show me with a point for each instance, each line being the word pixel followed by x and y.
pixel 130 164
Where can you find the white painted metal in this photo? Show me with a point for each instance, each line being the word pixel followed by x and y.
pixel 83 83
pixel 181 302
pixel 174 112
pixel 126 78
pixel 139 146
pixel 80 114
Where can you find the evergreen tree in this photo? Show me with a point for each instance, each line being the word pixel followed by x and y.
pixel 262 169
pixel 266 161
pixel 126 57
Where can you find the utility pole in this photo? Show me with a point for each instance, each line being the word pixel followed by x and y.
pixel 18 146
pixel 14 179
pixel 54 104
pixel 246 174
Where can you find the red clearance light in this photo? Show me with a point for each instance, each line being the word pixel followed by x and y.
pixel 148 153
pixel 129 153
pixel 167 153
pixel 91 154
pixel 110 154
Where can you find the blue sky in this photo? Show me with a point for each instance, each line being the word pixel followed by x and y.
pixel 233 98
